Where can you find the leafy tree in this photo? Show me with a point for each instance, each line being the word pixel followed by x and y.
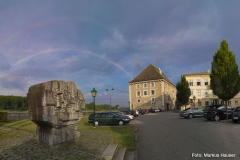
pixel 183 91
pixel 225 78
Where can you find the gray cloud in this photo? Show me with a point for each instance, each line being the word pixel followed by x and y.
pixel 110 40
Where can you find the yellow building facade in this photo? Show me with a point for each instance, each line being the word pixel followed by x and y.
pixel 199 84
pixel 151 89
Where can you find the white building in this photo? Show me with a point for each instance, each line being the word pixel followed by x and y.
pixel 199 84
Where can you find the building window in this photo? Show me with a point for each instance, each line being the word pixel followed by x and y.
pixel 199 104
pixel 138 93
pixel 152 84
pixel 144 85
pixel 190 82
pixel 138 86
pixel 198 82
pixel 152 92
pixel 206 103
pixel 138 100
pixel 229 102
pixel 206 82
pixel 145 93
pixel 153 100
pixel 191 92
pixel 199 92
pixel 206 92
pixel 236 103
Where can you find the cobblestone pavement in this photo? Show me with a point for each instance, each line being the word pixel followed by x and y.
pixel 20 145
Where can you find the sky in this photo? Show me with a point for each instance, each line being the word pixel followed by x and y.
pixel 105 44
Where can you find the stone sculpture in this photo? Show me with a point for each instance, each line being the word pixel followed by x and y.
pixel 56 108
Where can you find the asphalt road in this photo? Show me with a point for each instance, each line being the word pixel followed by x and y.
pixel 166 136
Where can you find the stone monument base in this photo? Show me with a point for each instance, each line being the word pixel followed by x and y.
pixel 52 136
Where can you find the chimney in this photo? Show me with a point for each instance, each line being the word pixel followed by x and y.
pixel 160 71
pixel 208 71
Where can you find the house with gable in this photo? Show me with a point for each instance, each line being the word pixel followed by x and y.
pixel 151 89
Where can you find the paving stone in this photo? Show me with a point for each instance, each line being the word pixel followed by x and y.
pixel 25 148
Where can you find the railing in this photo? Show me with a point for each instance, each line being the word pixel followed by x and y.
pixel 17 115
pixel 24 115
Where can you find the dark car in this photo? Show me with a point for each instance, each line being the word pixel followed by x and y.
pixel 142 112
pixel 191 112
pixel 108 118
pixel 217 112
pixel 236 115
pixel 151 110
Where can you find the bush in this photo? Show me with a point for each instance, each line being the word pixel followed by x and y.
pixel 3 116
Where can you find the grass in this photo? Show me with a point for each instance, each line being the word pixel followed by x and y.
pixel 122 135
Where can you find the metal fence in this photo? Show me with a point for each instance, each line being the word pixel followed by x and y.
pixel 17 116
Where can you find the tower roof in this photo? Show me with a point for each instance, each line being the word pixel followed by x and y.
pixel 150 73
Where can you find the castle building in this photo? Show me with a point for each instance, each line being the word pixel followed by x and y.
pixel 151 89
pixel 201 93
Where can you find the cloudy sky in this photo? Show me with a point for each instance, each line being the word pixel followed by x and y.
pixel 106 44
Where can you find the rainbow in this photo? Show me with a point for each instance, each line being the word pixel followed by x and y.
pixel 51 50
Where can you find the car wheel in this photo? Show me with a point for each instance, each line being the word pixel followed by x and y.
pixel 120 123
pixel 216 118
pixel 96 123
pixel 190 116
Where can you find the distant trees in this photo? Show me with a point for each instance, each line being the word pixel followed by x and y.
pixel 183 91
pixel 100 107
pixel 16 103
pixel 225 78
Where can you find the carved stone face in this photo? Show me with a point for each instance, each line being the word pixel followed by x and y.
pixel 55 103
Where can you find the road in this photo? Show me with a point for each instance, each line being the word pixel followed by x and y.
pixel 166 136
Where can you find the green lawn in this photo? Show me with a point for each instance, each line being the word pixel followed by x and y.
pixel 122 135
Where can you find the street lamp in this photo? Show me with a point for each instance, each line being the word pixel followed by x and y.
pixel 129 105
pixel 194 98
pixel 94 94
pixel 110 96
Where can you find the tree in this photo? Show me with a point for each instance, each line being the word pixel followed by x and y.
pixel 225 78
pixel 183 91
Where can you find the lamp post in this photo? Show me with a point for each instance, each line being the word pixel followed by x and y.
pixel 194 98
pixel 110 96
pixel 129 105
pixel 94 94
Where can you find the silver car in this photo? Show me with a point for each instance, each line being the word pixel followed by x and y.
pixel 192 112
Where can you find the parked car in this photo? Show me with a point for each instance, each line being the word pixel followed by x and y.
pixel 156 110
pixel 126 113
pixel 151 110
pixel 108 118
pixel 141 111
pixel 236 115
pixel 134 113
pixel 191 112
pixel 217 112
pixel 146 111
